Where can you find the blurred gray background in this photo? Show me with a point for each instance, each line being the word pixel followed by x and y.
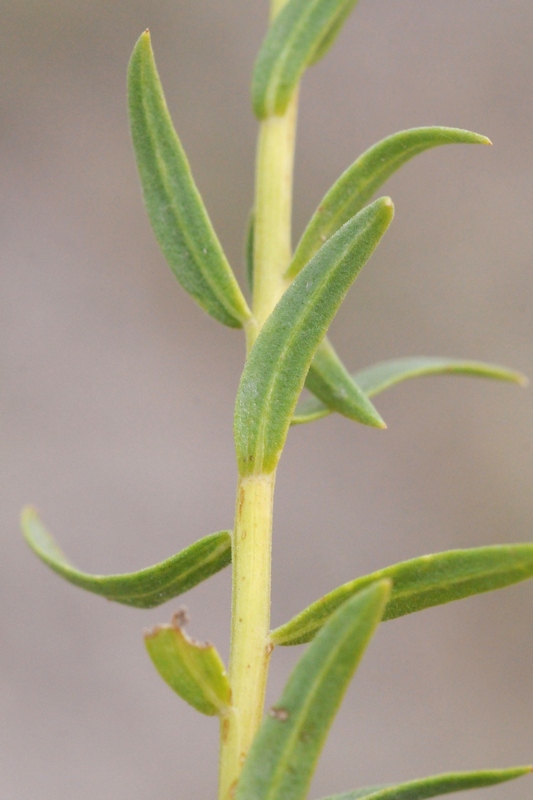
pixel 118 391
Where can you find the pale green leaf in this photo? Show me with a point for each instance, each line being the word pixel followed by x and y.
pixel 177 213
pixel 300 34
pixel 284 753
pixel 277 365
pixel 333 385
pixel 144 589
pixel 381 376
pixel 194 670
pixel 436 785
pixel 356 186
pixel 420 583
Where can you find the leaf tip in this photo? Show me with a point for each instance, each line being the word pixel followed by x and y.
pixel 388 206
pixel 28 515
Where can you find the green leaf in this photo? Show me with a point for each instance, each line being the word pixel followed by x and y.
pixel 381 376
pixel 249 250
pixel 300 34
pixel 331 383
pixel 147 588
pixel 279 360
pixel 358 794
pixel 420 583
pixel 436 785
pixel 285 750
pixel 193 669
pixel 177 213
pixel 356 186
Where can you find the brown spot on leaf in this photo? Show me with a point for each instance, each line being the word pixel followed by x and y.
pixel 224 729
pixel 279 713
pixel 181 617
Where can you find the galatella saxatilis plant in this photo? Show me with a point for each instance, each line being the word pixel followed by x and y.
pixel 295 296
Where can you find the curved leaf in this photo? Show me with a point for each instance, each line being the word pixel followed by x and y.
pixel 279 360
pixel 300 34
pixel 333 385
pixel 285 750
pixel 147 588
pixel 435 786
pixel 194 670
pixel 356 186
pixel 381 376
pixel 177 213
pixel 420 583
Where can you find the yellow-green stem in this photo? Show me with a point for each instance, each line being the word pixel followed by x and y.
pixel 273 206
pixel 250 625
pixel 251 551
pixel 252 537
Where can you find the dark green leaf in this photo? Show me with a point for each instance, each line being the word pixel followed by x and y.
pixel 333 385
pixel 421 583
pixel 377 378
pixel 366 175
pixel 279 360
pixel 144 589
pixel 193 669
pixel 177 213
pixel 284 753
pixel 436 785
pixel 300 34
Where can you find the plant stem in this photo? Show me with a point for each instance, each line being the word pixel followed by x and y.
pixel 250 624
pixel 273 207
pixel 252 538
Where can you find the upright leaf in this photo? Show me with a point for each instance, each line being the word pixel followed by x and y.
pixel 279 360
pixel 147 588
pixel 356 186
pixel 194 670
pixel 284 753
pixel 300 34
pixel 249 250
pixel 381 376
pixel 333 385
pixel 420 583
pixel 177 213
pixel 435 786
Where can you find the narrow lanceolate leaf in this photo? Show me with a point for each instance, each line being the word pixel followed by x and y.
pixel 147 588
pixel 249 251
pixel 279 360
pixel 283 757
pixel 301 34
pixel 377 378
pixel 333 385
pixel 421 583
pixel 435 786
pixel 356 186
pixel 177 213
pixel 193 669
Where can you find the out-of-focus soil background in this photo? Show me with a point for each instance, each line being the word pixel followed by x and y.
pixel 118 391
